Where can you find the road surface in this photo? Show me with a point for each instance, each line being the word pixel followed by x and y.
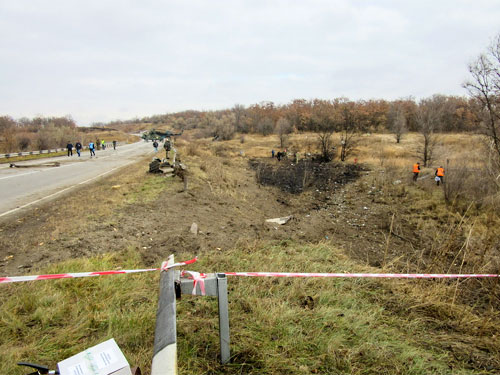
pixel 21 188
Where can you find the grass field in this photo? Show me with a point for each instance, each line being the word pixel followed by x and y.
pixel 278 326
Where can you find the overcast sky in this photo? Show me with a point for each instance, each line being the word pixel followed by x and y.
pixel 101 60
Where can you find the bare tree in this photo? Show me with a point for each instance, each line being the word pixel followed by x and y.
pixel 265 126
pixel 397 121
pixel 485 88
pixel 324 122
pixel 428 116
pixel 239 117
pixel 7 133
pixel 283 129
pixel 223 127
pixel 349 129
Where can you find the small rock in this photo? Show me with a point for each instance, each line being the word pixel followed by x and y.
pixel 397 182
pixel 194 229
pixel 280 220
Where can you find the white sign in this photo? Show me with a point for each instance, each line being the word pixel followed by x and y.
pixel 103 359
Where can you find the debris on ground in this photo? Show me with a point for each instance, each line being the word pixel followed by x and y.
pixel 279 220
pixel 163 167
pixel 51 164
pixel 194 229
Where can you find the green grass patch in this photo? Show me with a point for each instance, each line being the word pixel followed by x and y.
pixel 278 326
pixel 150 187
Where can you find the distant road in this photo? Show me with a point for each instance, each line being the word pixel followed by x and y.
pixel 21 188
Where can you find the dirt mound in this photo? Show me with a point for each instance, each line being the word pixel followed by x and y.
pixel 304 175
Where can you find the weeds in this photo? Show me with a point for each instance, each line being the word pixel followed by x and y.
pixel 277 325
pixel 292 326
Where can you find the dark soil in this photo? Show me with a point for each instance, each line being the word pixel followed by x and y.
pixel 305 175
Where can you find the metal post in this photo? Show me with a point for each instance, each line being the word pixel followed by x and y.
pixel 165 344
pixel 225 353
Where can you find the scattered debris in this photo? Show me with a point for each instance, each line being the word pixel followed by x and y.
pixel 280 220
pixel 51 164
pixel 154 166
pixel 397 182
pixel 116 187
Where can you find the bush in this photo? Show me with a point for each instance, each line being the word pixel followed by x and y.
pixel 24 142
pixel 464 185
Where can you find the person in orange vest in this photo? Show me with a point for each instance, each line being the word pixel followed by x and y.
pixel 439 175
pixel 416 171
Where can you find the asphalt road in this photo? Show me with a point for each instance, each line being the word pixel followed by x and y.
pixel 22 188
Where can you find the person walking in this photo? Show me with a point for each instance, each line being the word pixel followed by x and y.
pixel 439 175
pixel 92 149
pixel 114 145
pixel 155 145
pixel 272 153
pixel 167 145
pixel 416 171
pixel 103 144
pixel 69 146
pixel 78 147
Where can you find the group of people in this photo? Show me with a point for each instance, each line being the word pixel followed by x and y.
pixel 92 146
pixel 439 173
pixel 285 154
pixel 167 145
pixel 279 155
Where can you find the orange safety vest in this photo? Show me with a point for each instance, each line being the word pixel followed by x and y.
pixel 440 172
pixel 416 168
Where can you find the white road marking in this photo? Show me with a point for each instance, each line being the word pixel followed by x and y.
pixel 19 175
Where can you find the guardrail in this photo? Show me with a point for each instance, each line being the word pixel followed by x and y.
pixel 53 150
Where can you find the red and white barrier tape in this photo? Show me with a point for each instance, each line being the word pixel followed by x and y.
pixel 362 275
pixel 198 277
pixel 17 279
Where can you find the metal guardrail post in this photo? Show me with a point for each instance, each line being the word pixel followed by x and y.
pixel 165 344
pixel 215 285
pixel 225 353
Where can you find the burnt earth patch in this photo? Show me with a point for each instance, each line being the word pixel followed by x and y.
pixel 304 175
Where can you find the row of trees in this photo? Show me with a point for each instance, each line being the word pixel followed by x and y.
pixel 39 133
pixel 348 118
pixel 458 115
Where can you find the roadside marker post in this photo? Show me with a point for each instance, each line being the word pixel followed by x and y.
pixel 165 344
pixel 225 353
